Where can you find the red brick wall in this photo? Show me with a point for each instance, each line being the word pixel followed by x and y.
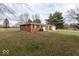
pixel 34 30
pixel 25 28
pixel 29 28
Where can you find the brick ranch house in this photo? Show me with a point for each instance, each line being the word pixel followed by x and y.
pixel 35 27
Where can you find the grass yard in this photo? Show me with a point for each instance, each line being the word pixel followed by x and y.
pixel 57 43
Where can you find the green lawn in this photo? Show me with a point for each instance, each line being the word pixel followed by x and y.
pixel 55 43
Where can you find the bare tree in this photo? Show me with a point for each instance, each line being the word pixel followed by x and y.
pixel 73 14
pixel 6 23
pixel 36 18
pixel 29 21
pixel 23 18
pixel 4 8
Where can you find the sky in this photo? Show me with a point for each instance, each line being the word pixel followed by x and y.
pixel 42 9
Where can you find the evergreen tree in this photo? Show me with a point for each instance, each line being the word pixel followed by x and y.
pixel 6 23
pixel 56 19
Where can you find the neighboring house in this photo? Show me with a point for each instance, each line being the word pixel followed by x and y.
pixel 35 27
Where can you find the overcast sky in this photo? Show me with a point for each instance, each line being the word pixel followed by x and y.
pixel 43 9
